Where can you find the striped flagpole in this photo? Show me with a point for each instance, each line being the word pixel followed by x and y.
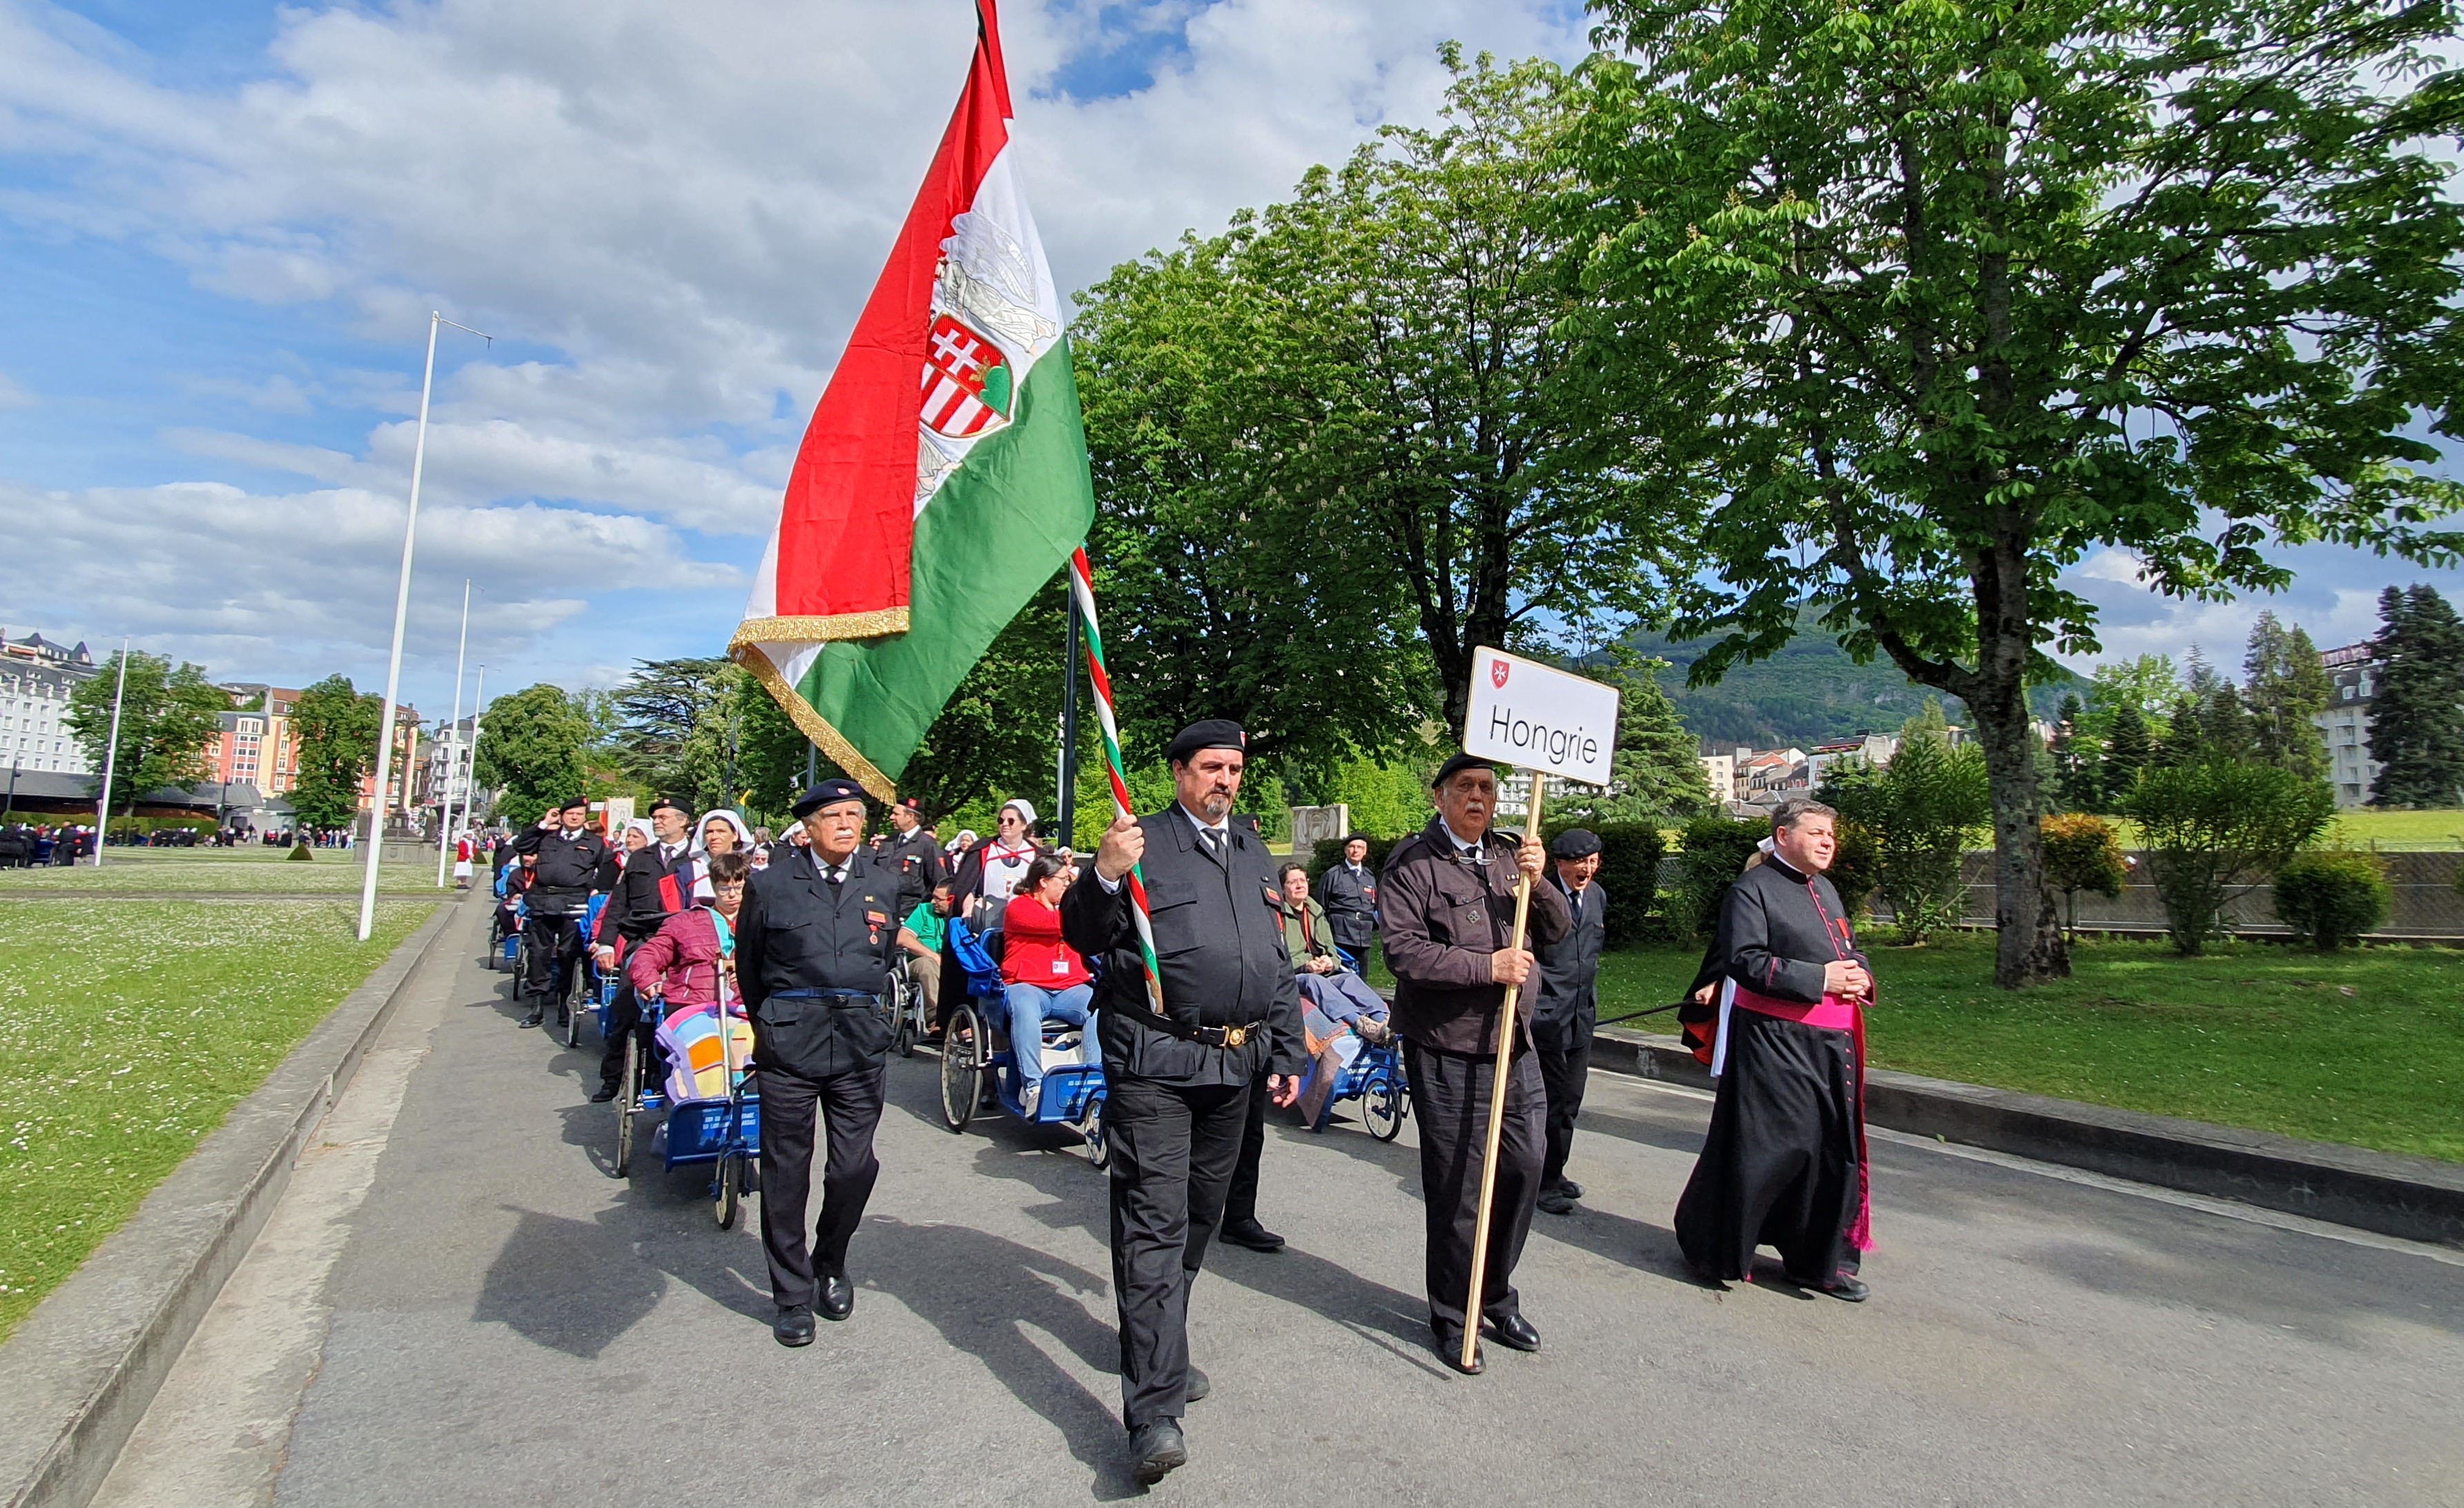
pixel 1082 583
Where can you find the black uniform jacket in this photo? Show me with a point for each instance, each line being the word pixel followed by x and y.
pixel 569 870
pixel 1569 967
pixel 1440 917
pixel 1350 903
pixel 799 936
pixel 1219 940
pixel 648 890
pixel 1777 930
pixel 916 858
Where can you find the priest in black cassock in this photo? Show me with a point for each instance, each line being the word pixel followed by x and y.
pixel 1784 1162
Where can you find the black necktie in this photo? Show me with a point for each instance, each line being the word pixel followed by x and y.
pixel 1213 842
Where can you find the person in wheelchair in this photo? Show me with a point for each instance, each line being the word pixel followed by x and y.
pixel 921 936
pixel 1047 978
pixel 1327 988
pixel 681 963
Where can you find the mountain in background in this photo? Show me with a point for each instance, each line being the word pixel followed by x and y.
pixel 1806 693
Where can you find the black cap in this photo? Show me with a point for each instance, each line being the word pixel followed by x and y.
pixel 583 802
pixel 1215 733
pixel 829 793
pixel 912 803
pixel 1458 765
pixel 1575 843
pixel 669 801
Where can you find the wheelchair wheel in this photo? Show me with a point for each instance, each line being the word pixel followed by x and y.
pixel 902 1021
pixel 627 1097
pixel 1099 1142
pixel 572 1007
pixel 1382 1108
pixel 730 1185
pixel 962 1073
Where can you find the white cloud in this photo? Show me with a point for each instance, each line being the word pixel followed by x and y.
pixel 668 215
pixel 13 396
pixel 2114 564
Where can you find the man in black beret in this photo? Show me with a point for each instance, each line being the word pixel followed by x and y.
pixel 1446 913
pixel 572 864
pixel 813 948
pixel 1568 1007
pixel 1177 1084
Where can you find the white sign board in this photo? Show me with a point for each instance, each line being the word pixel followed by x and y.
pixel 1528 713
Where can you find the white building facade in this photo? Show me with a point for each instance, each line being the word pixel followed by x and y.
pixel 2353 671
pixel 36 680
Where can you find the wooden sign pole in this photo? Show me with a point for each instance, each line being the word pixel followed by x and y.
pixel 1497 1104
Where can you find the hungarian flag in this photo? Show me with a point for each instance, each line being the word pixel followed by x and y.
pixel 943 478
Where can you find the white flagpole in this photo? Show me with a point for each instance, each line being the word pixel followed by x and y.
pixel 110 761
pixel 454 749
pixel 401 616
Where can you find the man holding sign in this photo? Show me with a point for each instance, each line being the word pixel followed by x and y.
pixel 1458 903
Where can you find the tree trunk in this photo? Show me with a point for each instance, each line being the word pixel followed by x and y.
pixel 2030 947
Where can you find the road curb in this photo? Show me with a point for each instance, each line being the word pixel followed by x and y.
pixel 2417 1198
pixel 80 1371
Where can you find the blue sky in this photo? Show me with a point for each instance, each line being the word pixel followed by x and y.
pixel 224 226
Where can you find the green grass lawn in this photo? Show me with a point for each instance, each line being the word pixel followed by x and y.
pixel 2364 1048
pixel 129 1029
pixel 259 871
pixel 2363 827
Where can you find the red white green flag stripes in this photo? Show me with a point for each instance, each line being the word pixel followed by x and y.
pixel 1082 586
pixel 943 477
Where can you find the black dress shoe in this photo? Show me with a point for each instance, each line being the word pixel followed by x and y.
pixel 1253 1235
pixel 1514 1331
pixel 1196 1388
pixel 838 1297
pixel 1450 1351
pixel 1157 1450
pixel 531 1020
pixel 1554 1202
pixel 1847 1289
pixel 794 1325
pixel 1569 1189
pixel 603 1093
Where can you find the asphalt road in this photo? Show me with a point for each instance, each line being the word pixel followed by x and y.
pixel 456 1303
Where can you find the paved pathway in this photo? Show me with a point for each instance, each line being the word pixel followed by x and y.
pixel 456 1303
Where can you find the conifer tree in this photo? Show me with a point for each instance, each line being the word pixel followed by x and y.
pixel 2417 715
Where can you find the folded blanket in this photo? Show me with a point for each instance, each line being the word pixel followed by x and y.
pixel 697 1058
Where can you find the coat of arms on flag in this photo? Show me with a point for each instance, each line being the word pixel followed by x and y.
pixel 966 381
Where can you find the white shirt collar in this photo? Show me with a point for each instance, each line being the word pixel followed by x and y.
pixel 1224 827
pixel 1480 849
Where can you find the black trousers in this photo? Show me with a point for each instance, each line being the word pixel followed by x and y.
pixel 556 950
pixel 1173 1149
pixel 1450 1094
pixel 625 1015
pixel 1564 1066
pixel 1241 1199
pixel 848 1106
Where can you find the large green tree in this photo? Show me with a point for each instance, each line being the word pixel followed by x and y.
pixel 679 723
pixel 337 727
pixel 531 748
pixel 1657 775
pixel 168 716
pixel 2286 688
pixel 1971 288
pixel 2417 712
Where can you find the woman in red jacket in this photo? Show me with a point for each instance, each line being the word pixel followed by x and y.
pixel 1047 978
pixel 681 963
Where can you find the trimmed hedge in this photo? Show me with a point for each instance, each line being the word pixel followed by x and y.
pixel 2333 897
pixel 1715 853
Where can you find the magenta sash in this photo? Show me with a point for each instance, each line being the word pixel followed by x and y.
pixel 1832 1014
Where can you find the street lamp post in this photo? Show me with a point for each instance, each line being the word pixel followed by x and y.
pixel 401 617
pixel 110 760
pixel 453 750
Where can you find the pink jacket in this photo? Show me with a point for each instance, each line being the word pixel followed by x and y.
pixel 682 957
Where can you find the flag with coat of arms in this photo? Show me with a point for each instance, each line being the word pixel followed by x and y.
pixel 943 477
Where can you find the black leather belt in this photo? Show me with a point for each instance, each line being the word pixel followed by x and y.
pixel 1203 1036
pixel 849 998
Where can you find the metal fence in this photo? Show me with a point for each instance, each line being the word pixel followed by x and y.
pixel 2428 906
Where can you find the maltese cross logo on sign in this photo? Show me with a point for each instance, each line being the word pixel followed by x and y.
pixel 1497 669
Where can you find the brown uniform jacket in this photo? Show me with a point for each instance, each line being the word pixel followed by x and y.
pixel 1440 917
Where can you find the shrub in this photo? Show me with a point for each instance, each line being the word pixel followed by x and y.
pixel 1327 853
pixel 1924 812
pixel 2213 826
pixel 1714 852
pixel 1630 869
pixel 1857 867
pixel 2081 854
pixel 2333 897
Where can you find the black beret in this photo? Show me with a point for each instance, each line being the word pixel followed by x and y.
pixel 1458 765
pixel 1215 733
pixel 911 804
pixel 1575 843
pixel 583 802
pixel 829 793
pixel 672 804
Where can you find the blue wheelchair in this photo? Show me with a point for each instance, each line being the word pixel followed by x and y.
pixel 975 1067
pixel 1374 1077
pixel 726 1133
